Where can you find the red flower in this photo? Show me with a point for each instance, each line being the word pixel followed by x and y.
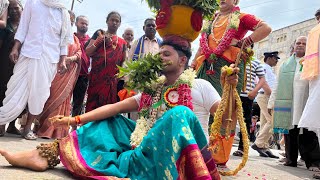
pixel 210 61
pixel 163 17
pixel 196 20
pixel 166 3
pixel 185 97
pixel 210 72
pixel 236 8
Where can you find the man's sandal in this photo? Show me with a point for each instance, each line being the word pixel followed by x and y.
pixel 238 153
pixel 314 169
pixel 30 136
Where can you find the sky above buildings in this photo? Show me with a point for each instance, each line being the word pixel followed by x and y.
pixel 277 13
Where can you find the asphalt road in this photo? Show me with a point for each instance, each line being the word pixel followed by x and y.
pixel 256 168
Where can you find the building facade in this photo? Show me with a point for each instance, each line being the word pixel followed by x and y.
pixel 282 40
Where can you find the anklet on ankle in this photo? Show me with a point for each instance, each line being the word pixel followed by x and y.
pixel 50 152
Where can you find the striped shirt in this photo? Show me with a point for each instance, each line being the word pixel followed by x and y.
pixel 256 70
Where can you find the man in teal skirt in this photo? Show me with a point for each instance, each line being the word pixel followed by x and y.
pixel 175 146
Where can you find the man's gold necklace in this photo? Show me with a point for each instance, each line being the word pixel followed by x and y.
pixel 214 25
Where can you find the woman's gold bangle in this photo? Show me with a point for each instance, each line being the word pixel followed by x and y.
pixel 69 121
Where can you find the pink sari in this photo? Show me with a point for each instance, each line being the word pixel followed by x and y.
pixel 312 57
pixel 60 96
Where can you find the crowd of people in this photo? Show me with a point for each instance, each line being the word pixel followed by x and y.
pixel 47 84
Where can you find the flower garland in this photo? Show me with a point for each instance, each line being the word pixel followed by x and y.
pixel 151 103
pixel 216 136
pixel 229 34
pixel 180 95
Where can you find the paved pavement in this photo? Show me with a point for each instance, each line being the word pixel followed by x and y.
pixel 256 168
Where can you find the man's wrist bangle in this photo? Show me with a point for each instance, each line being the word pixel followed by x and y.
pixel 78 120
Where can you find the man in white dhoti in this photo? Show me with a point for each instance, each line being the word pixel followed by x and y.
pixel 43 35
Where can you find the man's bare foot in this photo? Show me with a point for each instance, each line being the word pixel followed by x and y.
pixel 28 159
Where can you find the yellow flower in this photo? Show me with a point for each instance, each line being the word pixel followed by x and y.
pixel 235 20
pixel 188 76
pixel 228 69
pixel 206 25
pixel 301 61
pixel 161 79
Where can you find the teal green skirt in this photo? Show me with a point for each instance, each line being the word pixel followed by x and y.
pixel 174 148
pixel 214 76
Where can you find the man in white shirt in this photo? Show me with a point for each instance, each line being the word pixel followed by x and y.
pixel 261 143
pixel 43 35
pixel 146 44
